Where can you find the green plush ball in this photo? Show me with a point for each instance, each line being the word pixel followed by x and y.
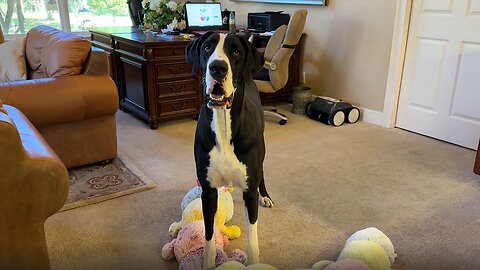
pixel 231 265
pixel 260 266
pixel 348 264
pixel 234 265
pixel 321 264
pixel 371 253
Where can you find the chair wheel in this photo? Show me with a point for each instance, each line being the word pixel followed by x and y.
pixel 282 122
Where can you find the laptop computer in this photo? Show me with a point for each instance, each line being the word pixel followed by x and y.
pixel 203 17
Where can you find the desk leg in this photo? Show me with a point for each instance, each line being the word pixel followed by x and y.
pixel 153 125
pixel 476 168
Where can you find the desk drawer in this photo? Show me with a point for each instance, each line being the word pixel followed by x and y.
pixel 177 51
pixel 175 70
pixel 176 88
pixel 178 106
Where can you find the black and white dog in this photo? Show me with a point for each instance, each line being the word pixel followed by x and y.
pixel 229 143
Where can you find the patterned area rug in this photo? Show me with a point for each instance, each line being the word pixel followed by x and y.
pixel 94 184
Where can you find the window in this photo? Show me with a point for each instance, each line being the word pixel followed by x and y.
pixel 19 16
pixel 90 13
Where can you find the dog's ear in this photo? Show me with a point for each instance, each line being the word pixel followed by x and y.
pixel 193 51
pixel 253 60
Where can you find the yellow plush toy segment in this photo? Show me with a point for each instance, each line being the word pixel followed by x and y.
pixel 193 212
pixel 371 253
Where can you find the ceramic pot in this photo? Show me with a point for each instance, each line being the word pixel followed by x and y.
pixel 301 96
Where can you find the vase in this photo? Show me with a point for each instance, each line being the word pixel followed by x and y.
pixel 301 96
pixel 161 29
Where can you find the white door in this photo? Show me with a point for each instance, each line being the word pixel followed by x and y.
pixel 440 92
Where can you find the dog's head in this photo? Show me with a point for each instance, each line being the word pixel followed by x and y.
pixel 226 61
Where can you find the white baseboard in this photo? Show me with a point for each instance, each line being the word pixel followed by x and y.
pixel 371 116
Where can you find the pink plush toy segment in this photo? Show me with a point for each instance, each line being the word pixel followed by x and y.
pixel 190 239
pixel 194 261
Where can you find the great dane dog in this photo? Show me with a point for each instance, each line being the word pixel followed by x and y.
pixel 229 143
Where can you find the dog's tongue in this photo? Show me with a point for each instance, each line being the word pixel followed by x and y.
pixel 217 90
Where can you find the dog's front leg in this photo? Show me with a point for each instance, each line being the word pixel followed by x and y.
pixel 209 208
pixel 251 211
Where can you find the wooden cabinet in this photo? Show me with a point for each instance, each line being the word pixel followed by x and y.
pixel 153 78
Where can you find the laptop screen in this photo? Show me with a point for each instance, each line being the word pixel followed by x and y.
pixel 203 16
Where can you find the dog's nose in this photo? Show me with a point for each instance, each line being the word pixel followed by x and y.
pixel 218 69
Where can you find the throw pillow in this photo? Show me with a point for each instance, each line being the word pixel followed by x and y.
pixel 13 66
pixel 52 52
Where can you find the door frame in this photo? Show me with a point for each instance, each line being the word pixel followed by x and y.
pixel 397 61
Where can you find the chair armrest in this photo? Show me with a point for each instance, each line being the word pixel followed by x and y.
pixel 34 183
pixel 270 65
pixel 97 63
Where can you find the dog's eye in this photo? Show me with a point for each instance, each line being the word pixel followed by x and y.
pixel 236 52
pixel 207 48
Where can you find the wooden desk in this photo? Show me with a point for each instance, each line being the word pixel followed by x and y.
pixel 153 78
pixel 152 75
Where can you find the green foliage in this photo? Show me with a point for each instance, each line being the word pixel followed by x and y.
pixel 109 7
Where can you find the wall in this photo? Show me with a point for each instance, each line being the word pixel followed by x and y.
pixel 347 48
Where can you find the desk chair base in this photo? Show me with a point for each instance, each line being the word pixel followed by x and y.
pixel 283 118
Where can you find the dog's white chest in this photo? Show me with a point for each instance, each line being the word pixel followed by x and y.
pixel 225 169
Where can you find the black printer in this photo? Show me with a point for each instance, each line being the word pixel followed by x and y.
pixel 266 21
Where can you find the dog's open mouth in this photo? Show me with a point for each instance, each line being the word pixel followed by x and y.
pixel 217 98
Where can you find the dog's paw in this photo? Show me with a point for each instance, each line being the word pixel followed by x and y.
pixel 266 202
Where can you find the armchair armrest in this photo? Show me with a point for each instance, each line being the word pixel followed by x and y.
pixel 51 101
pixel 33 186
pixel 33 175
pixel 97 63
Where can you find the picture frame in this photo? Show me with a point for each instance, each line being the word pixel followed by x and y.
pixel 297 2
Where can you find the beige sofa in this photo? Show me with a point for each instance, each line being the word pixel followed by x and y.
pixel 33 186
pixel 68 96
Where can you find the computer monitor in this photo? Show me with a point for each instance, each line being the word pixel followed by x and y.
pixel 203 16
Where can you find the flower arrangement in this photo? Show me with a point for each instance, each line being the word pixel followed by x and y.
pixel 163 13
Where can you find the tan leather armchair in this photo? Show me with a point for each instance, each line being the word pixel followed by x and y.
pixel 68 96
pixel 33 186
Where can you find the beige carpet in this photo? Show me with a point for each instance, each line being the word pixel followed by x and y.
pixel 326 182
pixel 97 183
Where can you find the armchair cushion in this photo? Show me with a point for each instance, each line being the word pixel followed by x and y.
pixel 54 52
pixel 13 66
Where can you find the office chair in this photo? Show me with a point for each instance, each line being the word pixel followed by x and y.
pixel 135 12
pixel 279 50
